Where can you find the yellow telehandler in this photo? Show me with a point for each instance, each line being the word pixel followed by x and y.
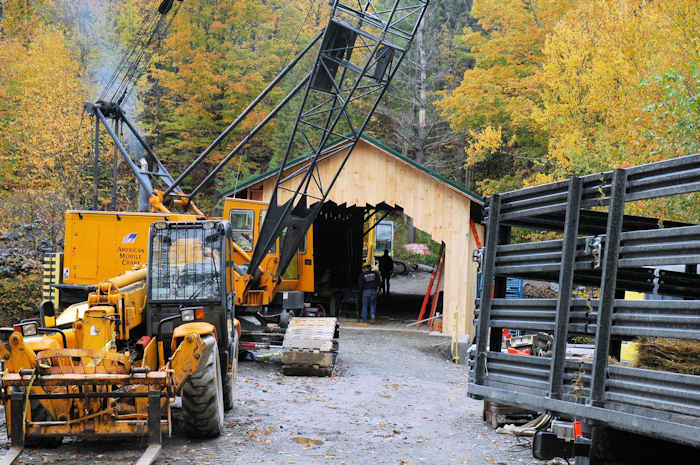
pixel 110 367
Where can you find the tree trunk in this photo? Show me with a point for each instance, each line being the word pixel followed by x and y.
pixel 411 234
pixel 422 99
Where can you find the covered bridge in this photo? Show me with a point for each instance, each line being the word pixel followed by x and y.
pixel 377 176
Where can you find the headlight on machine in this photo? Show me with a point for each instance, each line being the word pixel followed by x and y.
pixel 29 329
pixel 192 313
pixel 187 314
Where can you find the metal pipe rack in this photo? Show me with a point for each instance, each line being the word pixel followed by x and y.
pixel 605 249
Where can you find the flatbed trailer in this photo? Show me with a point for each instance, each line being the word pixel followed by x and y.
pixel 618 411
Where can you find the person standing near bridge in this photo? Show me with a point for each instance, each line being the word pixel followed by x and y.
pixel 386 266
pixel 368 282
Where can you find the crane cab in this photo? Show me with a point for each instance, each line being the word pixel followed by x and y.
pixel 246 218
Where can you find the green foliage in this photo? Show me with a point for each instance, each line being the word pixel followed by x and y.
pixel 216 58
pixel 679 110
pixel 401 231
pixel 19 298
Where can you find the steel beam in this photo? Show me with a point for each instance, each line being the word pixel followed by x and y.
pixel 499 291
pixel 161 171
pixel 115 168
pixel 487 278
pixel 294 215
pixel 96 166
pixel 141 177
pixel 608 286
pixel 566 282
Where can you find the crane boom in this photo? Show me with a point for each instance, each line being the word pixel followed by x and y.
pixel 361 49
pixel 358 54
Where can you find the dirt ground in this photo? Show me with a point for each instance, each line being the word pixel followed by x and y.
pixel 393 400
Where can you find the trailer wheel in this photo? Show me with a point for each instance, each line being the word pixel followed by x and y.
pixel 202 397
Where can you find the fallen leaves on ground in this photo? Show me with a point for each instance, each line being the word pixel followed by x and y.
pixel 309 442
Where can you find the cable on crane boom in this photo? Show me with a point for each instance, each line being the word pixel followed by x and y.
pixel 130 68
pixel 134 62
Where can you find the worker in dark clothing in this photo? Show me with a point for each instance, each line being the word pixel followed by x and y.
pixel 386 266
pixel 368 282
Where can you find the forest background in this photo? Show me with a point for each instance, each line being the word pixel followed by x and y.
pixel 495 95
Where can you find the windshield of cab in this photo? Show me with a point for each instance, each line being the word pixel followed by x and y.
pixel 242 228
pixel 384 237
pixel 186 264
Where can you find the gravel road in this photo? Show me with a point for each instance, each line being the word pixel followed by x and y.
pixel 393 400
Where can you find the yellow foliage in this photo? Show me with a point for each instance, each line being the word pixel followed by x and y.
pixel 596 80
pixel 40 147
pixel 502 90
pixel 569 84
pixel 483 143
pixel 508 52
pixel 539 178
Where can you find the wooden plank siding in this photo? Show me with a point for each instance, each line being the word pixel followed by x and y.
pixel 372 176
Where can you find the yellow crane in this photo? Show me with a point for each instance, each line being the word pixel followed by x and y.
pixel 160 298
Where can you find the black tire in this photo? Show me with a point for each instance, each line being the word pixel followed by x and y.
pixel 202 397
pixel 229 377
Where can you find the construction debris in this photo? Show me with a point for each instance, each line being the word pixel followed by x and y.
pixel 528 429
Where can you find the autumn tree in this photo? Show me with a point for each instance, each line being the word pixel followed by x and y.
pixel 494 103
pixel 407 117
pixel 601 75
pixel 572 87
pixel 214 60
pixel 41 148
pixel 619 85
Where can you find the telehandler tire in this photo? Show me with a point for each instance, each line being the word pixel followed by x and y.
pixel 229 377
pixel 202 397
pixel 228 390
